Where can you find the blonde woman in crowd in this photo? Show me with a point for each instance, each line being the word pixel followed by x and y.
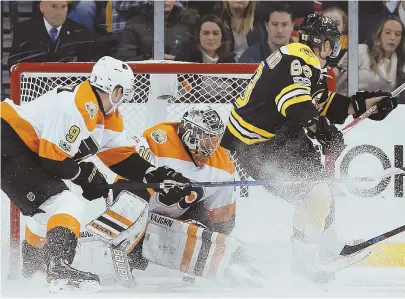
pixel 245 29
pixel 382 62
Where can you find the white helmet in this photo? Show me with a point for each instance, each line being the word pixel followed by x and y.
pixel 108 73
pixel 202 130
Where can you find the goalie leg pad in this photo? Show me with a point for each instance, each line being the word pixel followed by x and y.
pixel 192 249
pixel 123 223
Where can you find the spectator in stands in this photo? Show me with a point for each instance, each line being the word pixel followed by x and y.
pixel 118 12
pixel 208 44
pixel 137 38
pixel 245 29
pixel 279 26
pixel 84 13
pixel 50 37
pixel 382 60
pixel 386 8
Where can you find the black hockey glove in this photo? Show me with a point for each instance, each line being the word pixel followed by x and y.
pixel 92 181
pixel 328 136
pixel 363 100
pixel 384 107
pixel 173 194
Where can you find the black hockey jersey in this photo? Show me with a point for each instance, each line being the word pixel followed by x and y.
pixel 286 91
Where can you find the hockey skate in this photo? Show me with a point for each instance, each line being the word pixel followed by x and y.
pixel 32 260
pixel 320 262
pixel 242 270
pixel 62 277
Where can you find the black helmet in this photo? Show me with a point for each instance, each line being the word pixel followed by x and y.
pixel 315 30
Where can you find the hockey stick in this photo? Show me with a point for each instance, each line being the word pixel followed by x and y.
pixel 370 111
pixel 331 159
pixel 127 185
pixel 121 266
pixel 350 249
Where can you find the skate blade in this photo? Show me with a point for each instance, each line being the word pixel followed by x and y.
pixel 63 285
pixel 343 262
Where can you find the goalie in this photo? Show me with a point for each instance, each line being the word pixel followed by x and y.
pixel 45 142
pixel 187 233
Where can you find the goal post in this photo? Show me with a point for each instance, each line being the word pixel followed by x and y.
pixel 163 92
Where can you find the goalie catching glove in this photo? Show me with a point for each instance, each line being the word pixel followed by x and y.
pixel 328 135
pixel 92 181
pixel 364 100
pixel 178 186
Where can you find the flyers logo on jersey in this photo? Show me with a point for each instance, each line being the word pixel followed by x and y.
pixel 91 109
pixel 159 136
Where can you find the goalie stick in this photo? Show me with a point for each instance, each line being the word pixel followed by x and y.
pixel 126 185
pixel 350 249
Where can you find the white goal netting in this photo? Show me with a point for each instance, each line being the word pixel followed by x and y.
pixel 158 97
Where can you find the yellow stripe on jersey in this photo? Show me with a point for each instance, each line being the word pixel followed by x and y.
pixel 246 132
pixel 288 96
pixel 295 100
pixel 51 151
pixel 249 127
pixel 331 96
pixel 116 155
pixel 302 51
pixel 238 135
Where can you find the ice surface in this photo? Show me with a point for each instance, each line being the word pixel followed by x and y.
pixel 264 222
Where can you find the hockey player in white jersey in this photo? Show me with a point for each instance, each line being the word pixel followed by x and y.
pixel 45 142
pixel 189 233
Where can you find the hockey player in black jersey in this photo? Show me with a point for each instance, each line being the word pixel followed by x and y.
pixel 270 128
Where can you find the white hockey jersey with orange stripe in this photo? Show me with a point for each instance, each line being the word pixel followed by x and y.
pixel 55 124
pixel 162 146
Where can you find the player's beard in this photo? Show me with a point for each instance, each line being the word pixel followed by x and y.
pixel 199 158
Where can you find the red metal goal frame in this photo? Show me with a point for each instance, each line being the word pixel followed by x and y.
pixel 86 67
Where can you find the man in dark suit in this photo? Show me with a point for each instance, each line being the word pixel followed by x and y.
pixel 51 38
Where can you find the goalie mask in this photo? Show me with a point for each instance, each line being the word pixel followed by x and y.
pixel 201 131
pixel 109 73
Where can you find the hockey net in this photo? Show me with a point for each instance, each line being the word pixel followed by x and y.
pixel 164 91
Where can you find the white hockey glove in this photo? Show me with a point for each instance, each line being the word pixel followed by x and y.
pixel 123 223
pixel 195 250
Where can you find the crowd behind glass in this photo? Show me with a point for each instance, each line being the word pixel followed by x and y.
pixel 211 32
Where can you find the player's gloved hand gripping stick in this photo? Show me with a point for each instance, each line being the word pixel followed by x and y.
pixel 371 111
